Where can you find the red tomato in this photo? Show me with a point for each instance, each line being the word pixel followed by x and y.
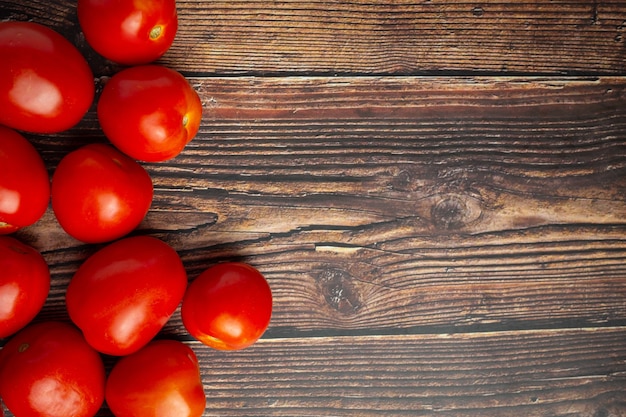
pixel 24 284
pixel 100 194
pixel 24 182
pixel 149 112
pixel 122 295
pixel 129 32
pixel 228 306
pixel 45 83
pixel 48 370
pixel 161 379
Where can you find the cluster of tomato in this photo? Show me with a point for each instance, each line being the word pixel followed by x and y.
pixel 120 297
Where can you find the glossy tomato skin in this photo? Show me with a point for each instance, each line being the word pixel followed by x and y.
pixel 161 379
pixel 24 284
pixel 24 182
pixel 122 295
pixel 100 194
pixel 129 32
pixel 46 85
pixel 48 370
pixel 149 112
pixel 228 306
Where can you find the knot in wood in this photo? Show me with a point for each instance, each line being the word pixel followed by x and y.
pixel 339 291
pixel 402 181
pixel 451 213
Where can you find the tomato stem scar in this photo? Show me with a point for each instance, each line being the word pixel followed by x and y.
pixel 23 347
pixel 156 31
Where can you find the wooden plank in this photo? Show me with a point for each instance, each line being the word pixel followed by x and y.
pixel 402 36
pixel 364 37
pixel 379 205
pixel 578 372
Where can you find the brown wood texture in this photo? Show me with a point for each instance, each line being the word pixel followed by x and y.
pixel 445 244
pixel 377 37
pixel 379 203
pixel 535 373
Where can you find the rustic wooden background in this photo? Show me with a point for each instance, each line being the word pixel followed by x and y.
pixel 436 191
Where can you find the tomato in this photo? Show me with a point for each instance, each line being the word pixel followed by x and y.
pixel 228 306
pixel 46 85
pixel 161 379
pixel 129 32
pixel 24 284
pixel 48 370
pixel 123 294
pixel 24 182
pixel 149 112
pixel 99 194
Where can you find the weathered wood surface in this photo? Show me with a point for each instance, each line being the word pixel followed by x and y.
pixel 451 244
pixel 400 203
pixel 365 37
pixel 534 374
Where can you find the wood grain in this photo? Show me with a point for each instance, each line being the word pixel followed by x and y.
pixel 402 36
pixel 393 205
pixel 578 373
pixel 364 37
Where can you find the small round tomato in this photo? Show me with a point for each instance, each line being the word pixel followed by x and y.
pixel 24 182
pixel 48 370
pixel 129 32
pixel 123 295
pixel 149 112
pixel 228 306
pixel 161 379
pixel 46 85
pixel 24 284
pixel 99 194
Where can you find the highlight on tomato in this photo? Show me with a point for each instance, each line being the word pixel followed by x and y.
pixel 228 306
pixel 99 194
pixel 161 379
pixel 24 284
pixel 123 294
pixel 149 112
pixel 24 182
pixel 48 370
pixel 129 32
pixel 46 85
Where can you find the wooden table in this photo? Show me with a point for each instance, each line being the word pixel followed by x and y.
pixel 435 190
